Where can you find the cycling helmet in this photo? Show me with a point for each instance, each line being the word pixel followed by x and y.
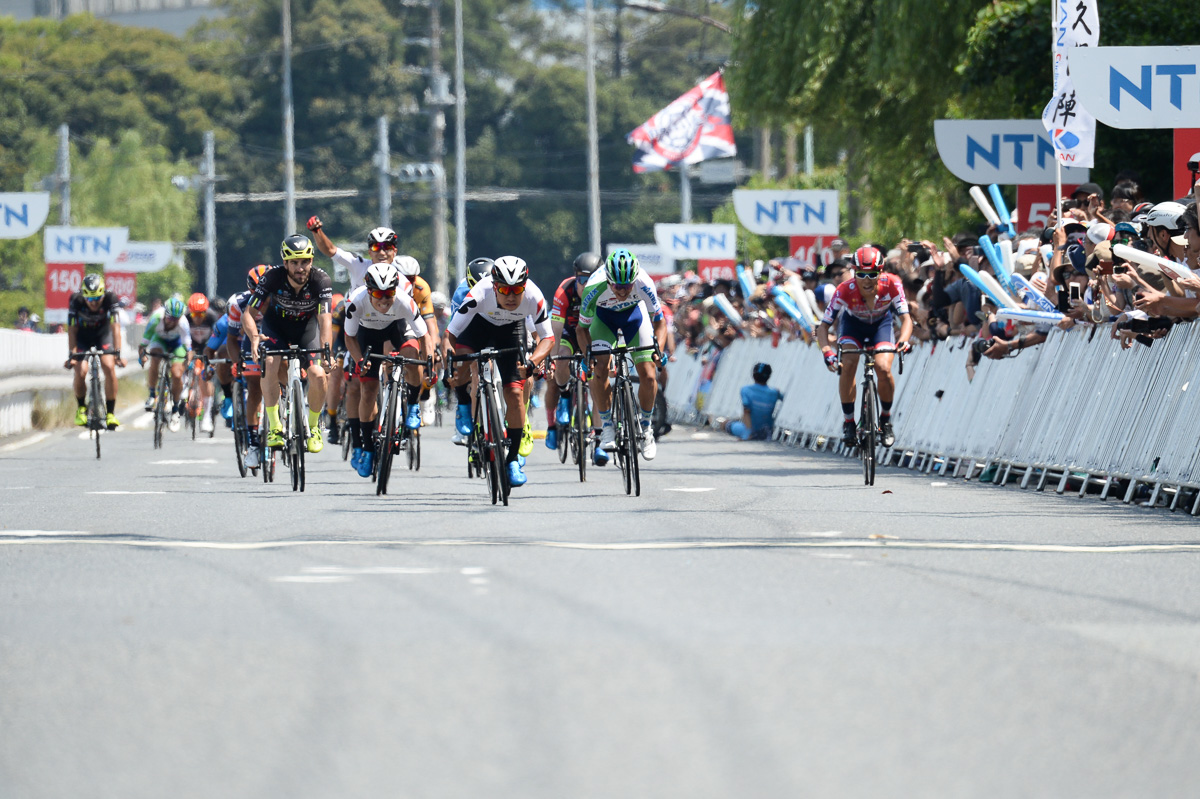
pixel 382 277
pixel 762 372
pixel 93 287
pixel 174 307
pixel 621 267
pixel 509 270
pixel 869 258
pixel 255 275
pixel 407 265
pixel 587 263
pixel 383 236
pixel 296 247
pixel 337 299
pixel 197 304
pixel 439 299
pixel 1167 215
pixel 478 269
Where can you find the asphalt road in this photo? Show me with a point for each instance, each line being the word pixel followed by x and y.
pixel 168 629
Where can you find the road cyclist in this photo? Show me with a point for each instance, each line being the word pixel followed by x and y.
pixel 564 319
pixel 202 320
pixel 477 270
pixel 167 337
pixel 247 370
pixel 294 299
pixel 864 306
pixel 92 322
pixel 620 300
pixel 492 315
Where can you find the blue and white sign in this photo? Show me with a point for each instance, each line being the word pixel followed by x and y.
pixel 692 242
pixel 1011 152
pixel 84 245
pixel 650 257
pixel 142 256
pixel 23 213
pixel 1139 87
pixel 812 212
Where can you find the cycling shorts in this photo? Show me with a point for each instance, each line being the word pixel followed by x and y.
pixel 568 340
pixel 854 332
pixel 176 349
pixel 480 334
pixel 383 342
pixel 99 337
pixel 631 323
pixel 279 335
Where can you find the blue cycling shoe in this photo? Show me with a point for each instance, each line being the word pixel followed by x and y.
pixel 413 420
pixel 600 457
pixel 552 438
pixel 516 477
pixel 462 420
pixel 355 457
pixel 227 408
pixel 366 463
pixel 562 414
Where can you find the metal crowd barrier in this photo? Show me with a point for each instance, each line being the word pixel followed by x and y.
pixel 1076 412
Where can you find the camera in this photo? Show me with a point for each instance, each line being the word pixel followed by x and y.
pixel 915 248
pixel 1144 326
pixel 978 347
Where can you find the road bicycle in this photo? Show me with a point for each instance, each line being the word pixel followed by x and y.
pixel 486 446
pixel 869 433
pixel 163 405
pixel 575 437
pixel 239 423
pixel 392 435
pixel 96 415
pixel 293 411
pixel 626 416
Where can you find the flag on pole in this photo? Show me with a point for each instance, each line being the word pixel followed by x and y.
pixel 1072 129
pixel 692 129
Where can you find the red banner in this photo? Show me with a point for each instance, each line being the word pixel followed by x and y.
pixel 1187 144
pixel 810 250
pixel 1035 204
pixel 62 280
pixel 123 285
pixel 712 271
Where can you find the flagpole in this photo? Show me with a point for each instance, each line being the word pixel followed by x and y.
pixel 1057 160
pixel 685 194
pixel 593 136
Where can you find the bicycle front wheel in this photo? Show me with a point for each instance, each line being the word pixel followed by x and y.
pixel 581 428
pixel 498 429
pixel 634 425
pixel 867 433
pixel 299 440
pixel 239 430
pixel 384 450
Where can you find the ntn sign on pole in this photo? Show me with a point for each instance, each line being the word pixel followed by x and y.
pixel 1011 152
pixel 23 213
pixel 62 280
pixel 684 242
pixel 787 213
pixel 66 245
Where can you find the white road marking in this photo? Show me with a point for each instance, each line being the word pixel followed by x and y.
pixel 25 442
pixel 938 485
pixel 196 462
pixel 801 541
pixel 348 570
pixel 123 493
pixel 143 422
pixel 16 488
pixel 478 581
pixel 701 436
pixel 39 533
pixel 313 578
pixel 469 570
pixel 690 490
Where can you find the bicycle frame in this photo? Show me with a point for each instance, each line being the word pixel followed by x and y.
pixel 391 436
pixel 96 415
pixel 293 412
pixel 488 433
pixel 869 432
pixel 626 416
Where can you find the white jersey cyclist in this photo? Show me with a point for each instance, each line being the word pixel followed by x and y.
pixel 361 313
pixel 480 302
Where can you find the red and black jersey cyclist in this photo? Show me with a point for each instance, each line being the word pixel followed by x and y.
pixel 295 302
pixel 92 322
pixel 866 303
pixel 564 318
pixel 493 315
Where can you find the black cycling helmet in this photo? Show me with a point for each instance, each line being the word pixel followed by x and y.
pixel 478 269
pixel 762 372
pixel 587 263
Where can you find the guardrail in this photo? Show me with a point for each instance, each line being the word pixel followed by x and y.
pixel 1076 409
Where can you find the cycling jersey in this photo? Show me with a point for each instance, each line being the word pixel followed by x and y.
pixel 360 312
pixel 566 303
pixel 92 328
pixel 220 333
pixel 460 294
pixel 155 331
pixel 283 303
pixel 481 302
pixel 419 290
pixel 355 265
pixel 597 294
pixel 202 328
pixel 889 296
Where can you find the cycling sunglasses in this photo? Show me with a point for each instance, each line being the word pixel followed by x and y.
pixel 382 295
pixel 509 290
pixel 381 247
pixel 867 275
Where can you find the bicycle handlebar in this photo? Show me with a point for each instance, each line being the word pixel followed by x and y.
pixel 489 352
pixel 293 352
pixel 79 356
pixel 395 359
pixel 879 351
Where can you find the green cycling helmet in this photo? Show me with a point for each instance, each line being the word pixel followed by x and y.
pixel 621 267
pixel 174 307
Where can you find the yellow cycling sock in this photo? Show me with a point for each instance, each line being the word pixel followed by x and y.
pixel 313 416
pixel 273 417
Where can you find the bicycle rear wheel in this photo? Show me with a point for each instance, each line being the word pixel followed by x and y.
pixel 867 433
pixel 96 414
pixel 635 427
pixel 580 428
pixel 299 442
pixel 240 434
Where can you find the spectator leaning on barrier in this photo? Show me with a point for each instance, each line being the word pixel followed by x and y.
pixel 758 407
pixel 27 321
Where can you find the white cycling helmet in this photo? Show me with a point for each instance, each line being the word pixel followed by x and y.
pixel 1168 215
pixel 408 266
pixel 510 270
pixel 439 299
pixel 382 235
pixel 382 277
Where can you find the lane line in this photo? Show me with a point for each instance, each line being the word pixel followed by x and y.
pixel 804 542
pixel 123 493
pixel 184 462
pixel 143 422
pixel 313 578
pixel 25 442
pixel 690 490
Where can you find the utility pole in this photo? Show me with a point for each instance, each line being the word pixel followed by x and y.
pixel 593 136
pixel 64 174
pixel 438 99
pixel 808 149
pixel 289 124
pixel 460 149
pixel 384 157
pixel 789 150
pixel 210 216
pixel 685 194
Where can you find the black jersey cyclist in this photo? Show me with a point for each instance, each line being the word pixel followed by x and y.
pixel 92 321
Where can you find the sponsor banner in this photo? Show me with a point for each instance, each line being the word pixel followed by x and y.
pixel 123 285
pixel 143 256
pixel 811 250
pixel 787 213
pixel 692 242
pixel 1139 87
pixel 1187 144
pixel 712 270
pixel 89 245
pixel 1011 152
pixel 1036 203
pixel 62 280
pixel 23 213
pixel 650 257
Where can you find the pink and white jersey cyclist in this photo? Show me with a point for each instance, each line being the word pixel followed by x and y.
pixel 865 316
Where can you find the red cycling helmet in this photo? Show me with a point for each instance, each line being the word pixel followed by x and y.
pixel 255 275
pixel 868 259
pixel 197 304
